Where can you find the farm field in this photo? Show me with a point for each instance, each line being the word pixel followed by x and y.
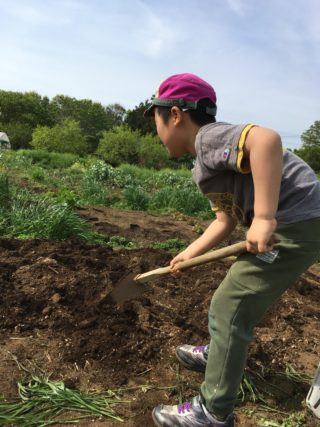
pixel 56 321
pixel 54 316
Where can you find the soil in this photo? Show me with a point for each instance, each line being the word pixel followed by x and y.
pixel 55 314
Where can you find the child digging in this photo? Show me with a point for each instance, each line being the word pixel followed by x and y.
pixel 247 177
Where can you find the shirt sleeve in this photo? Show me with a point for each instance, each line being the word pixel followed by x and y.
pixel 226 150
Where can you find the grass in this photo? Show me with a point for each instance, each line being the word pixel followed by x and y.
pixel 42 402
pixel 25 215
pixel 96 183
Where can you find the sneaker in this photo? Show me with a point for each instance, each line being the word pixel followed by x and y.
pixel 188 414
pixel 193 358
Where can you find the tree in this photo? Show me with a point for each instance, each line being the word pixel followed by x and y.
pixel 62 138
pixel 311 137
pixel 20 134
pixel 310 150
pixel 152 154
pixel 92 116
pixel 119 145
pixel 20 113
pixel 136 121
pixel 116 114
pixel 28 108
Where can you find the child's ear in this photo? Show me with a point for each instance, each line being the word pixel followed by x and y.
pixel 176 115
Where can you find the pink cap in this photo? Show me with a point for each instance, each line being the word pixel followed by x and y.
pixel 183 90
pixel 186 86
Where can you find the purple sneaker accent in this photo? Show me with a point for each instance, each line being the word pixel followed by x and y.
pixel 193 357
pixel 188 414
pixel 186 406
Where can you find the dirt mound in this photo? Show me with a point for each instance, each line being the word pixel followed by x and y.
pixel 54 312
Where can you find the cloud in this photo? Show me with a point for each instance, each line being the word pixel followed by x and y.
pixel 157 37
pixel 35 13
pixel 237 6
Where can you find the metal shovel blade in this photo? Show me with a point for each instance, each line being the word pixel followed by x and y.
pixel 127 288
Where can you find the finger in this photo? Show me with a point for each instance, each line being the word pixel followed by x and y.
pixel 262 247
pixel 252 248
pixel 173 262
pixel 265 247
pixel 175 271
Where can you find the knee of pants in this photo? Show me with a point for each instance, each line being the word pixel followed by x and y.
pixel 235 312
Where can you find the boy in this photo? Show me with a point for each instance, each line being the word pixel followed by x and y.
pixel 247 177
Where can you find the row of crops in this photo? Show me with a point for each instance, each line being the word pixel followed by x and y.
pixel 40 193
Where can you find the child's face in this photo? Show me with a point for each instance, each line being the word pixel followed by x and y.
pixel 171 134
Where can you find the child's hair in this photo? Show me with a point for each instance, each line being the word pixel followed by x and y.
pixel 198 116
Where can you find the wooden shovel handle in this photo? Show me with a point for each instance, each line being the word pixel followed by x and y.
pixel 225 252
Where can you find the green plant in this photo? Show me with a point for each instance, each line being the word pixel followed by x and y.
pixel 32 216
pixel 120 242
pixel 63 196
pixel 136 198
pixel 294 420
pixel 37 173
pixel 20 134
pixel 99 170
pixel 185 199
pixel 119 145
pixel 42 402
pixel 46 159
pixel 151 152
pixel 175 245
pixel 93 192
pixel 5 194
pixel 63 138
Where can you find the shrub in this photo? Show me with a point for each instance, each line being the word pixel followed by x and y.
pixel 119 177
pixel 99 171
pixel 62 138
pixel 152 154
pixel 119 145
pixel 20 134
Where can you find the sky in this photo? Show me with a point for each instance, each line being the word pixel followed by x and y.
pixel 261 56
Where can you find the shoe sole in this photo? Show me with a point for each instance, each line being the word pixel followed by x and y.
pixel 183 363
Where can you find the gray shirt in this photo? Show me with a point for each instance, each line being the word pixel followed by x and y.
pixel 222 176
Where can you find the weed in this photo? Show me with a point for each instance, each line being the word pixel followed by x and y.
pixel 46 159
pixel 38 174
pixel 4 191
pixel 119 242
pixel 93 192
pixel 174 245
pixel 294 420
pixel 136 198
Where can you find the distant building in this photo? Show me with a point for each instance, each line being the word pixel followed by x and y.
pixel 4 141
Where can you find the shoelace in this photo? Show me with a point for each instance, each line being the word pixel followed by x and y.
pixel 182 407
pixel 199 349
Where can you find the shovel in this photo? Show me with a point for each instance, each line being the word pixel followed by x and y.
pixel 132 286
